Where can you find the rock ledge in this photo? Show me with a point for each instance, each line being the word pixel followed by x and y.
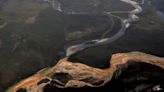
pixel 66 74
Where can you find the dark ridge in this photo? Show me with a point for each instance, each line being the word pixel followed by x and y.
pixel 133 68
pixel 136 75
pixel 21 90
pixel 63 77
pixel 114 86
pixel 95 57
pixel 43 81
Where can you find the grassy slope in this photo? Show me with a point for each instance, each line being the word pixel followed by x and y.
pixel 18 10
pixel 28 48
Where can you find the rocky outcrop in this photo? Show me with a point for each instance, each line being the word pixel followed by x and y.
pixel 136 65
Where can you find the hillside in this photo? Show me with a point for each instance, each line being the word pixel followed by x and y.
pixel 36 35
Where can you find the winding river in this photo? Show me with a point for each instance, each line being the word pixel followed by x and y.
pixel 125 23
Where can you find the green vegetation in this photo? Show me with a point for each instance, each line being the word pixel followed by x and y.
pixel 18 10
pixel 149 22
pixel 27 48
pixel 79 34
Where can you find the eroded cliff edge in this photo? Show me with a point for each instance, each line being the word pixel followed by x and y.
pixel 128 68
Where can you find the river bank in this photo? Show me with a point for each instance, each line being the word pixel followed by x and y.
pixel 3 25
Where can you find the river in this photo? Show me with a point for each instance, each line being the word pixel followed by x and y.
pixel 124 22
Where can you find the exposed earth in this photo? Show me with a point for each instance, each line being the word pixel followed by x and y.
pixel 130 72
pixel 35 35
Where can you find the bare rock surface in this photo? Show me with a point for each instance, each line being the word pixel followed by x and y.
pixel 125 67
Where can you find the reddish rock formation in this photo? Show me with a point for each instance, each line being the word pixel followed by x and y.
pixel 66 74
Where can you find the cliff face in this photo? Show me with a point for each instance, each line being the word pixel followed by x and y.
pixel 135 71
